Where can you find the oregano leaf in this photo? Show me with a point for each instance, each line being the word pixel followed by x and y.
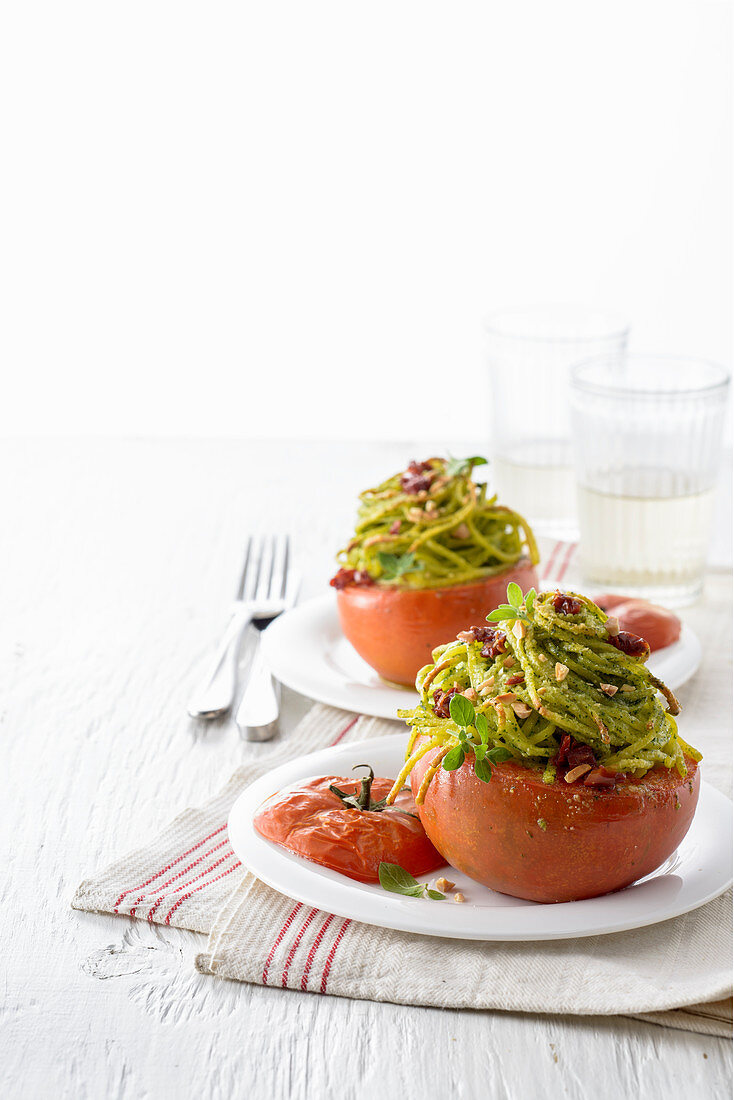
pixel 482 770
pixel 453 759
pixel 461 710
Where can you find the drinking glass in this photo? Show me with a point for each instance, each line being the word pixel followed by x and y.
pixel 530 353
pixel 647 434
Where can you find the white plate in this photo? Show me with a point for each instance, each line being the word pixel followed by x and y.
pixel 306 650
pixel 697 872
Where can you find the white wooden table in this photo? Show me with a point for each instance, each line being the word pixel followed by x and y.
pixel 118 562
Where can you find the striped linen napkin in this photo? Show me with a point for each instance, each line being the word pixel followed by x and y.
pixel 677 974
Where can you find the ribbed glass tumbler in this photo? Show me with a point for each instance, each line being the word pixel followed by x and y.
pixel 530 352
pixel 647 433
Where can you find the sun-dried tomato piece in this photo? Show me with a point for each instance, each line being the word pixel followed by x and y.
pixel 579 753
pixel 395 526
pixel 346 577
pixel 414 479
pixel 441 702
pixel 566 605
pixel 631 644
pixel 562 755
pixel 571 754
pixel 493 640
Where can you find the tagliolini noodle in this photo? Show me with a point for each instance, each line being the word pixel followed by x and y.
pixel 436 513
pixel 548 673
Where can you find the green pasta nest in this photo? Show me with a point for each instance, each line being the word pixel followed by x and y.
pixel 432 526
pixel 550 678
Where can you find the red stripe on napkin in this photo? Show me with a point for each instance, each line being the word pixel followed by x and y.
pixel 203 885
pixel 294 947
pixel 566 562
pixel 551 561
pixel 332 953
pixel 278 941
pixel 185 885
pixel 162 888
pixel 346 729
pixel 142 885
pixel 314 948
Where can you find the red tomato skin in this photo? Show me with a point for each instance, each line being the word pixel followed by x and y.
pixel 308 820
pixel 395 629
pixel 594 841
pixel 658 626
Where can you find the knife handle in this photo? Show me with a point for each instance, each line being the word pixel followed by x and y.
pixel 257 714
pixel 215 694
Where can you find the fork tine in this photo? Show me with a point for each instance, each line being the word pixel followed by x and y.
pixel 286 565
pixel 245 567
pixel 280 566
pixel 266 569
pixel 253 571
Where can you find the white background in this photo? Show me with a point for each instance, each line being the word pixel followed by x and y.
pixel 289 219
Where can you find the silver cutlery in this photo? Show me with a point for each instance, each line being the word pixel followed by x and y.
pixel 258 710
pixel 261 595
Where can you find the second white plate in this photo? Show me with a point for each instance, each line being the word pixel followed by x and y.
pixel 306 650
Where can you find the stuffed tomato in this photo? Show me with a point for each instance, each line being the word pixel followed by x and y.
pixel 430 553
pixel 545 759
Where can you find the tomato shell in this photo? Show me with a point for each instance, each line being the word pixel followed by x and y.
pixel 396 629
pixel 552 842
pixel 309 820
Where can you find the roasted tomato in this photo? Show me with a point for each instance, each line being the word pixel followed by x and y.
pixel 395 629
pixel 658 626
pixel 311 821
pixel 555 842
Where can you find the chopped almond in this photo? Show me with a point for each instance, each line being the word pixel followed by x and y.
pixel 609 689
pixel 612 625
pixel 506 697
pixel 470 694
pixel 485 691
pixel 488 683
pixel 508 662
pixel 461 532
pixel 522 710
pixel 444 884
pixel 465 636
pixel 416 515
pixel 576 773
pixel 542 657
pixel 561 671
pixel 519 629
pixel 459 897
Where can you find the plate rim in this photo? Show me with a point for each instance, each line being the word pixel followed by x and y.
pixel 242 811
pixel 326 602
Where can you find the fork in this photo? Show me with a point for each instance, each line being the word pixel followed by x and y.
pixel 261 595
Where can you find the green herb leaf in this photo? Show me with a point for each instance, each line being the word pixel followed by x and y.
pixel 514 594
pixel 482 770
pixel 504 611
pixel 397 565
pixel 397 880
pixel 456 467
pixel 481 725
pixel 453 759
pixel 461 710
pixel 480 751
pixel 530 600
